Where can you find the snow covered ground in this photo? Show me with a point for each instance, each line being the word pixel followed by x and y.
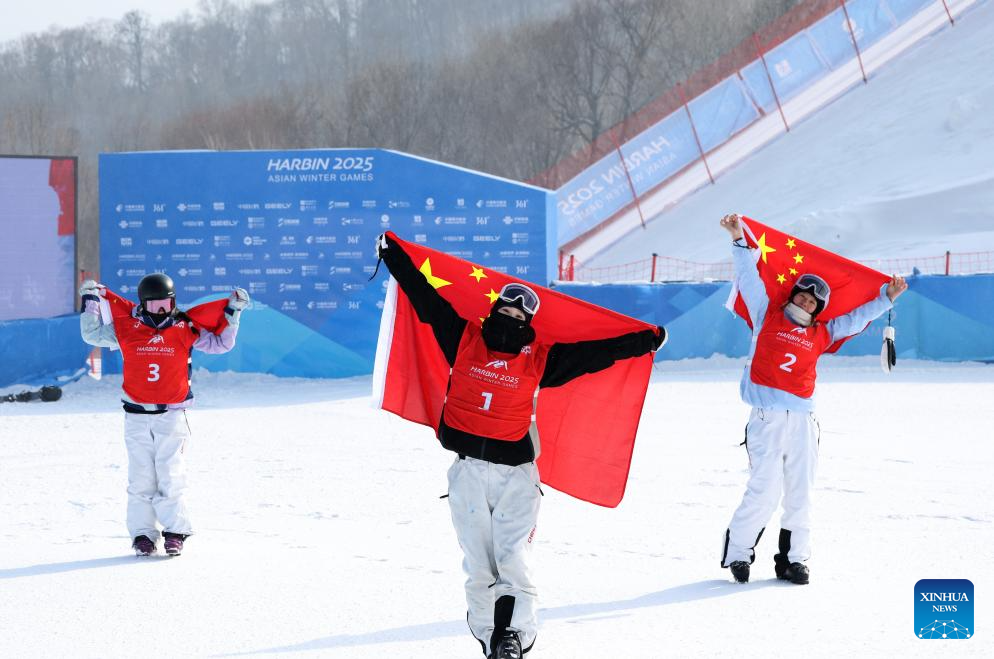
pixel 320 530
pixel 903 166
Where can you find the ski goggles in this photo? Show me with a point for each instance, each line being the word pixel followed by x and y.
pixel 159 306
pixel 514 292
pixel 814 285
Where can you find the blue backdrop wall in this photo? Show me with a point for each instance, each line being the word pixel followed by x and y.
pixel 940 318
pixel 297 230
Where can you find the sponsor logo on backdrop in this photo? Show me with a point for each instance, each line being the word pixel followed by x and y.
pixel 193 223
pixel 944 609
pixel 256 222
pixel 224 223
pixel 130 224
pixel 189 241
pixel 188 208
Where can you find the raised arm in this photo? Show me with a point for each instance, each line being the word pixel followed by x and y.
pixel 431 307
pixel 218 344
pixel 856 320
pixel 747 279
pixel 91 327
pixel 567 361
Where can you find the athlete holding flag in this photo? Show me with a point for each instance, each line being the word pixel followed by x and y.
pixel 494 371
pixel 779 380
pixel 156 339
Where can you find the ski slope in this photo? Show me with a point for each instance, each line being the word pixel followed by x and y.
pixel 903 166
pixel 320 532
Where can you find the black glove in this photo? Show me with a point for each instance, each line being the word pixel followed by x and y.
pixel 660 340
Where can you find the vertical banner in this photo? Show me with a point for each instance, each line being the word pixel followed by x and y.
pixel 297 230
pixel 38 244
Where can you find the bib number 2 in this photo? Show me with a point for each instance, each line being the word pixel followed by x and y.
pixel 153 372
pixel 786 366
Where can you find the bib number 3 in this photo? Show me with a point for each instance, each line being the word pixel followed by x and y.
pixel 786 366
pixel 153 372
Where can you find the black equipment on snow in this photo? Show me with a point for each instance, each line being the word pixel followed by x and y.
pixel 46 394
pixel 817 287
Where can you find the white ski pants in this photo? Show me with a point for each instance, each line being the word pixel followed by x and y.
pixel 783 457
pixel 494 510
pixel 156 472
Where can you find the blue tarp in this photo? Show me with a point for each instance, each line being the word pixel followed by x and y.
pixel 939 318
pixel 37 351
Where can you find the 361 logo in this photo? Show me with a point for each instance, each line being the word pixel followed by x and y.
pixel 944 608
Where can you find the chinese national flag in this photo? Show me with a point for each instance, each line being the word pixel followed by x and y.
pixel 586 427
pixel 781 259
pixel 208 315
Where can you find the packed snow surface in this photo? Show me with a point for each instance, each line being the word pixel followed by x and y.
pixel 320 531
pixel 903 166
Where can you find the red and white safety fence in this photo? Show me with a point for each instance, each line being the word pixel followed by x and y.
pixel 668 269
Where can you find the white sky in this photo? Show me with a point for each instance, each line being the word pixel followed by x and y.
pixel 18 17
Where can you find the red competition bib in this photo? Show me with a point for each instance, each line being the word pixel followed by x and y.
pixel 491 393
pixel 156 362
pixel 786 355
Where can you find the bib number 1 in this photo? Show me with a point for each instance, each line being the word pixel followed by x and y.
pixel 786 366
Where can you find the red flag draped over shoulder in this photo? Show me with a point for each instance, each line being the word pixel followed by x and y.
pixel 586 428
pixel 208 315
pixel 781 259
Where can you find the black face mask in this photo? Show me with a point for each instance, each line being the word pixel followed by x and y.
pixel 503 333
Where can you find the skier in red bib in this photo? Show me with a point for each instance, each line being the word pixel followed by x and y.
pixel 156 339
pixel 782 434
pixel 486 418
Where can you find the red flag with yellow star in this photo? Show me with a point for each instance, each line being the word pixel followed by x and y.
pixel 586 427
pixel 783 258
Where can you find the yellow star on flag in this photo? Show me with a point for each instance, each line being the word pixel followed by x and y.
pixel 798 258
pixel 764 248
pixel 478 273
pixel 492 295
pixel 791 243
pixel 781 279
pixel 436 282
pixel 793 272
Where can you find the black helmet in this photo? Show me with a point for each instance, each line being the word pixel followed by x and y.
pixel 817 287
pixel 156 286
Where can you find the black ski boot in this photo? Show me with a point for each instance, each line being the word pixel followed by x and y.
pixel 795 573
pixel 740 570
pixel 509 647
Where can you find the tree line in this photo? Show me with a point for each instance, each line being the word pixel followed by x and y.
pixel 506 87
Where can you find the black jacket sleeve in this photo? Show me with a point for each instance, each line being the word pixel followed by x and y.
pixel 571 360
pixel 431 307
